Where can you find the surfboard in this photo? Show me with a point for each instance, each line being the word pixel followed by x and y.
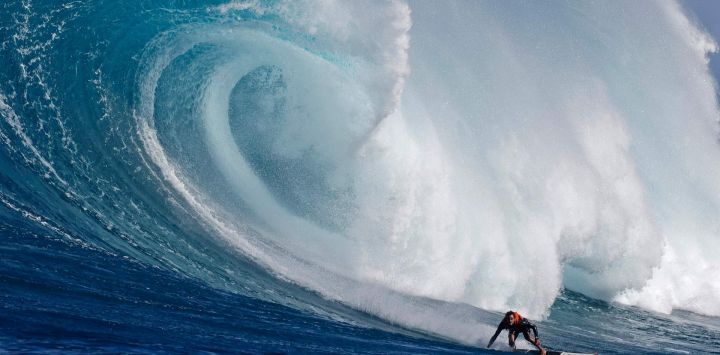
pixel 551 352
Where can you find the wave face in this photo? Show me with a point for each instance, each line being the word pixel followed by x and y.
pixel 401 159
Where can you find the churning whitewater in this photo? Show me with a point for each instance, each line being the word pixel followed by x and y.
pixel 408 166
pixel 513 166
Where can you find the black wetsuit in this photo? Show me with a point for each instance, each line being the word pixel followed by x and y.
pixel 524 327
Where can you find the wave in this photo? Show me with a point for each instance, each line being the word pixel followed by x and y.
pixel 401 158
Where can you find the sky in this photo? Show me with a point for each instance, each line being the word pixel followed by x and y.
pixel 708 12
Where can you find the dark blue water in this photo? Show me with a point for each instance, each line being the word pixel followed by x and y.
pixel 101 251
pixel 62 297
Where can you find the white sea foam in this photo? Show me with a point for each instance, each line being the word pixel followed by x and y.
pixel 12 119
pixel 599 157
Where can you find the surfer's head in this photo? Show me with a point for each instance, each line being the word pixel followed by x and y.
pixel 510 317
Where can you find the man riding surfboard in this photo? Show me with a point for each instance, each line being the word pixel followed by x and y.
pixel 516 324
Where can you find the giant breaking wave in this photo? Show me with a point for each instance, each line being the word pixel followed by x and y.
pixel 387 154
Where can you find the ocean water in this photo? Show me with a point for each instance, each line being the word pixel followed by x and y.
pixel 356 177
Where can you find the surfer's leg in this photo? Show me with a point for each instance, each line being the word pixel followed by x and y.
pixel 528 337
pixel 533 340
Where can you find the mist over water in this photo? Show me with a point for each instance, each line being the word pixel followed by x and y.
pixel 412 160
pixel 596 161
pixel 592 140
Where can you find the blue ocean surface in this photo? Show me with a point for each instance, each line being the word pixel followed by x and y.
pixel 356 177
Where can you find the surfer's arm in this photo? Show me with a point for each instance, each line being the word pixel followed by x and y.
pixel 497 332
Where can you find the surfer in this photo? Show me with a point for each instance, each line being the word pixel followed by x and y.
pixel 516 324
